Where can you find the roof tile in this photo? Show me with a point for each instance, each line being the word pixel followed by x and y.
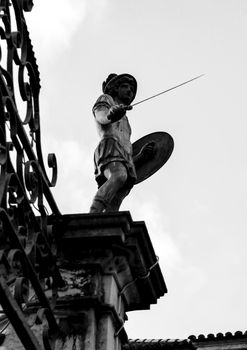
pixel 219 336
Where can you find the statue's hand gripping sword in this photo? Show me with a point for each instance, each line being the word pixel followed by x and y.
pixel 162 92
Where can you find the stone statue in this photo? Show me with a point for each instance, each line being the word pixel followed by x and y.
pixel 114 164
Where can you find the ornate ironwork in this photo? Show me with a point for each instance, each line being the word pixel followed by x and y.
pixel 26 241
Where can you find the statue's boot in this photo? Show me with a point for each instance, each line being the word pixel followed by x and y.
pixel 99 205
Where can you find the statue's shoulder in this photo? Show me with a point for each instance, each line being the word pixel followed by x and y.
pixel 104 100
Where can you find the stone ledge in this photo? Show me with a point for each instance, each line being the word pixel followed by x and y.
pixel 120 246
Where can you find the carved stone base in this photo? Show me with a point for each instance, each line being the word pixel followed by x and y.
pixel 109 267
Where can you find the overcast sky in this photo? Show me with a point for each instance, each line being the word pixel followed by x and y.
pixel 195 206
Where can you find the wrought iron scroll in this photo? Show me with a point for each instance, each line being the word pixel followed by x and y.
pixel 27 247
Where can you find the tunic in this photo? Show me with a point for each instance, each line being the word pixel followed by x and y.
pixel 115 145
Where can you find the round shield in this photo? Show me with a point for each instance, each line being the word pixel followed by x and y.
pixel 162 145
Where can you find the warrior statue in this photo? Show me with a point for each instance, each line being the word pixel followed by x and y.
pixel 115 163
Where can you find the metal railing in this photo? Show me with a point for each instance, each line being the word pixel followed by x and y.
pixel 27 244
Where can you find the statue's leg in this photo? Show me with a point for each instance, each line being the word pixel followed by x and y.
pixel 118 199
pixel 99 204
pixel 116 174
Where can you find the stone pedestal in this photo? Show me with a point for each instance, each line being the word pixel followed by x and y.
pixel 110 268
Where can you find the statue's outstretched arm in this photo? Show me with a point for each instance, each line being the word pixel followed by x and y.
pixel 105 115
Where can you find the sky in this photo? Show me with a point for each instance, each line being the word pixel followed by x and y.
pixel 195 206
